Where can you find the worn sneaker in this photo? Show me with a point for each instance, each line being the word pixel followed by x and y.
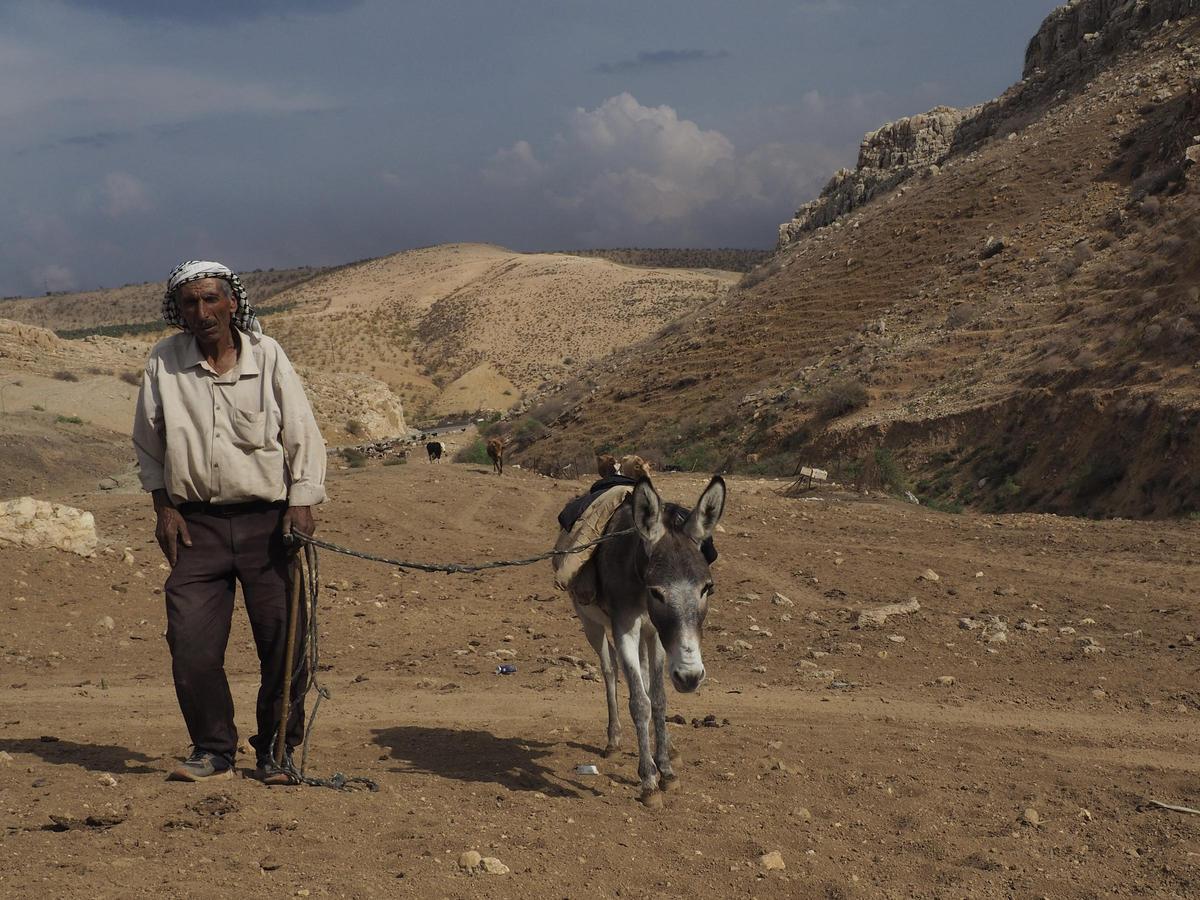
pixel 268 773
pixel 202 766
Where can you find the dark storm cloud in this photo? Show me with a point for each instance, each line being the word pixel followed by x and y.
pixel 648 59
pixel 212 12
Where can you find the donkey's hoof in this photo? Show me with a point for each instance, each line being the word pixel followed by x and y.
pixel 652 799
pixel 667 780
pixel 610 751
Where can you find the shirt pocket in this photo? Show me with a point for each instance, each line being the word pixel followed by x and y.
pixel 248 430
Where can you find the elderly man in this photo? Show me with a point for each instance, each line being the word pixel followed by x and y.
pixel 229 449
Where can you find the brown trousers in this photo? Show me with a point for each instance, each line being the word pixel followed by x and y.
pixel 245 546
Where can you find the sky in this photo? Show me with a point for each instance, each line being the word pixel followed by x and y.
pixel 273 133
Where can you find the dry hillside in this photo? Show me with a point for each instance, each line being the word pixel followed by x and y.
pixel 467 326
pixel 51 387
pixel 449 329
pixel 1012 324
pixel 133 307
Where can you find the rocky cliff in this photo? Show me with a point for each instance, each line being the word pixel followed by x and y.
pixel 1073 43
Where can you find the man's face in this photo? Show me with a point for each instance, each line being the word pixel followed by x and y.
pixel 206 306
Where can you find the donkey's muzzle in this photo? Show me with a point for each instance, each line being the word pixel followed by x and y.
pixel 686 680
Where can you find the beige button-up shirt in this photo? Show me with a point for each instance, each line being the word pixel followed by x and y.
pixel 246 435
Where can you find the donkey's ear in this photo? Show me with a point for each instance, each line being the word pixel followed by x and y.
pixel 648 512
pixel 707 513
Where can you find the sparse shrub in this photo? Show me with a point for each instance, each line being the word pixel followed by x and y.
pixel 946 506
pixel 962 314
pixel 68 420
pixel 841 397
pixel 891 475
pixel 354 457
pixel 355 427
pixel 475 453
pixel 99 370
pixel 37 407
pixel 64 375
pixel 134 378
pixel 529 429
pixel 395 461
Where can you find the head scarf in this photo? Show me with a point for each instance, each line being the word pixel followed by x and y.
pixel 196 269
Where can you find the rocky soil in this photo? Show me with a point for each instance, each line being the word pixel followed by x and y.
pixel 998 733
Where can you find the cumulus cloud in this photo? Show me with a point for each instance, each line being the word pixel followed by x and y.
pixel 627 172
pixel 651 58
pixel 123 194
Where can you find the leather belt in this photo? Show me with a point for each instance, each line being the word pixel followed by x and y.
pixel 227 510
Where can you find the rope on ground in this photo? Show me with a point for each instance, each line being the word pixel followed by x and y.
pixel 457 568
pixel 310 651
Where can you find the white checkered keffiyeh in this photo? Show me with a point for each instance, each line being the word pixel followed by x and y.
pixel 196 269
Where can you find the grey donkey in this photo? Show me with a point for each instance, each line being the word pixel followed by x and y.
pixel 650 589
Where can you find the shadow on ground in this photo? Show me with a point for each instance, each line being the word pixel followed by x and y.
pixel 477 756
pixel 94 757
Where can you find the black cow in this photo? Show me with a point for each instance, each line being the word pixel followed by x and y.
pixel 435 449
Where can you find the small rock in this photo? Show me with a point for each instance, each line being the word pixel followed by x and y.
pixel 470 860
pixel 107 623
pixel 269 864
pixel 803 814
pixel 947 680
pixel 929 575
pixel 780 600
pixel 1099 694
pixel 896 638
pixel 772 862
pixel 5 758
pixel 107 780
pixel 992 246
pixel 1031 817
pixel 127 557
pixel 493 866
pixel 879 615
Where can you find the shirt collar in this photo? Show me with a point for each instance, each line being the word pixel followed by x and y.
pixel 247 364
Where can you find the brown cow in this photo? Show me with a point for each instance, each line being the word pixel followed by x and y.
pixel 495 452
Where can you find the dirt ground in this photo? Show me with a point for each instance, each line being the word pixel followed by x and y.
pixel 842 750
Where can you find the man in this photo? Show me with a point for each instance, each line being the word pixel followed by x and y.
pixel 229 449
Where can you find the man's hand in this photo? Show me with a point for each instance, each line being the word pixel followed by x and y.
pixel 171 528
pixel 299 519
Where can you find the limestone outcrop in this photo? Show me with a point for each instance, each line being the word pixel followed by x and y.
pixel 887 157
pixel 343 398
pixel 38 524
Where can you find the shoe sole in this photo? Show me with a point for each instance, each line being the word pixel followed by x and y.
pixel 183 775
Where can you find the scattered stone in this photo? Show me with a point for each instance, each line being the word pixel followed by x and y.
pixel 107 623
pixel 269 864
pixel 127 557
pixel 1099 693
pixel 992 246
pixel 1031 817
pixel 929 575
pixel 803 814
pixel 896 638
pixel 780 600
pixel 5 758
pixel 879 615
pixel 493 866
pixel 947 680
pixel 772 862
pixel 108 484
pixel 106 780
pixel 470 860
pixel 1066 629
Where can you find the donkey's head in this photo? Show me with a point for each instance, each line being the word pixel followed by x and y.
pixel 676 577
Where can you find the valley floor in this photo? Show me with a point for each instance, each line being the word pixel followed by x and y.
pixel 842 750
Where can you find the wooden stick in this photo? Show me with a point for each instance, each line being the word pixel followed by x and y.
pixel 290 660
pixel 1180 809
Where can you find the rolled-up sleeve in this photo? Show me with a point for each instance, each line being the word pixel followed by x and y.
pixel 149 437
pixel 302 442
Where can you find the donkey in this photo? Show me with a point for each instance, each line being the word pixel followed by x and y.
pixel 650 588
pixel 495 452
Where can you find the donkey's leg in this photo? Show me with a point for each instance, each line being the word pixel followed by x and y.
pixel 658 703
pixel 597 636
pixel 627 630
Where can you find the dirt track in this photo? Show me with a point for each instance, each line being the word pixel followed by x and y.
pixel 869 777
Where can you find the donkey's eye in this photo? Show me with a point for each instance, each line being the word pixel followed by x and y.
pixel 658 595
